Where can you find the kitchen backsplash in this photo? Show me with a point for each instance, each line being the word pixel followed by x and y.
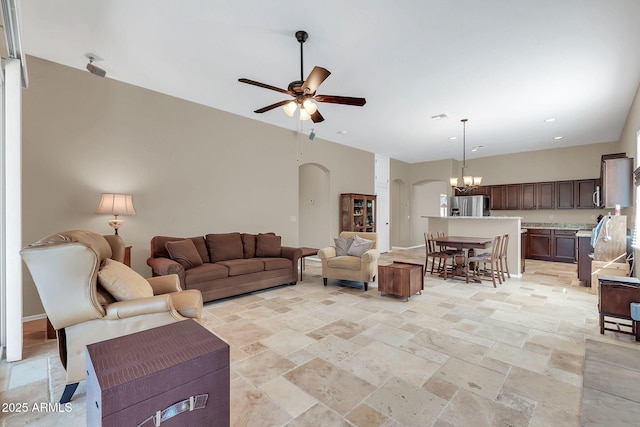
pixel 556 216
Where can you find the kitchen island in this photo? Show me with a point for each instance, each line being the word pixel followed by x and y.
pixel 486 226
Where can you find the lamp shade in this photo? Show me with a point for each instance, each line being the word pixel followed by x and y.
pixel 116 204
pixel 290 108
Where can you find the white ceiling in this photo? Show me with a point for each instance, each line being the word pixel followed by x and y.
pixel 506 65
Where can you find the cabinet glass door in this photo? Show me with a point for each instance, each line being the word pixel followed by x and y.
pixel 358 212
pixel 371 214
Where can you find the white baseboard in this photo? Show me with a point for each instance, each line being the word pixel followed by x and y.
pixel 401 248
pixel 34 317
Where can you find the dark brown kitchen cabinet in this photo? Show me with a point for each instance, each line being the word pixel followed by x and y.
pixel 546 195
pixel 584 260
pixel 551 245
pixel 482 190
pixel 513 195
pixel 564 246
pixel 539 244
pixel 498 197
pixel 565 194
pixel 528 200
pixel 584 190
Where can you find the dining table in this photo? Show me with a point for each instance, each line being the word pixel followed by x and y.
pixel 463 243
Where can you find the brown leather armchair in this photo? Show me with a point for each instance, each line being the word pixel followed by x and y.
pixel 65 268
pixel 359 269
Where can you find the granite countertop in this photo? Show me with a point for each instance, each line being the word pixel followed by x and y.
pixel 558 226
pixel 471 217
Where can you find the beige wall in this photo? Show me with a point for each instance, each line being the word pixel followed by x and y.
pixel 628 138
pixel 191 169
pixel 195 170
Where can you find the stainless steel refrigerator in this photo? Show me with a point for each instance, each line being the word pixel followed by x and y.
pixel 470 206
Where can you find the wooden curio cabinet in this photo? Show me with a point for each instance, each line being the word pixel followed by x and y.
pixel 357 212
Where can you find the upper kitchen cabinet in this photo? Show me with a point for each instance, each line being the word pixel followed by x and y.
pixel 616 176
pixel 585 190
pixel 498 197
pixel 565 195
pixel 482 190
pixel 546 195
pixel 528 196
pixel 513 196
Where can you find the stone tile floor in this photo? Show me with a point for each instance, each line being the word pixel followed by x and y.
pixel 308 355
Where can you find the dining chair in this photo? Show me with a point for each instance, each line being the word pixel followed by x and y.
pixel 487 258
pixel 443 248
pixel 504 262
pixel 433 254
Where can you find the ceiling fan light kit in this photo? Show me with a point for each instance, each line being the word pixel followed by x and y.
pixel 304 91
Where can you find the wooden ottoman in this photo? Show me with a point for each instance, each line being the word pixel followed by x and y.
pixel 401 278
pixel 178 372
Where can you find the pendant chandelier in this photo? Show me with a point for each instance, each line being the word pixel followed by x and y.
pixel 468 182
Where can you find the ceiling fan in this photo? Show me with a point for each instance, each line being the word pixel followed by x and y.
pixel 304 91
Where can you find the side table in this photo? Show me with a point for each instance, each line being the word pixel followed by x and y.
pixel 401 278
pixel 305 253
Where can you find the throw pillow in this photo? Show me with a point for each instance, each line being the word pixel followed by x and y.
pixel 122 282
pixel 184 252
pixel 359 246
pixel 225 246
pixel 268 245
pixel 343 245
pixel 248 245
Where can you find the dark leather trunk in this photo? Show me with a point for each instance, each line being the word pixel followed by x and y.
pixel 130 378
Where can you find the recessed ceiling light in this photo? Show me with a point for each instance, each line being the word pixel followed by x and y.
pixel 453 138
pixel 557 138
pixel 440 116
pixel 342 132
pixel 551 119
pixel 477 147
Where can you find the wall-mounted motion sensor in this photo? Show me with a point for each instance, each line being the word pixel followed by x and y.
pixel 92 68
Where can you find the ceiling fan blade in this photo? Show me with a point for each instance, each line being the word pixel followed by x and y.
pixel 317 117
pixel 346 100
pixel 272 106
pixel 266 86
pixel 315 79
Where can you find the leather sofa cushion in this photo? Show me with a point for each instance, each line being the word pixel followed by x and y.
pixel 158 246
pixel 268 245
pixel 346 262
pixel 122 282
pixel 184 252
pixel 243 266
pixel 224 246
pixel 249 245
pixel 204 273
pixel 276 263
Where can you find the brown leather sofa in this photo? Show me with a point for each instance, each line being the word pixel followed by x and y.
pixel 89 295
pixel 226 264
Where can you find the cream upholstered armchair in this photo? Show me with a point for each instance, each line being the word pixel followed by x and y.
pixel 352 265
pixel 90 296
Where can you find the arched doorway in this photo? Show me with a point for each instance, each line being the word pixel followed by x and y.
pixel 425 202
